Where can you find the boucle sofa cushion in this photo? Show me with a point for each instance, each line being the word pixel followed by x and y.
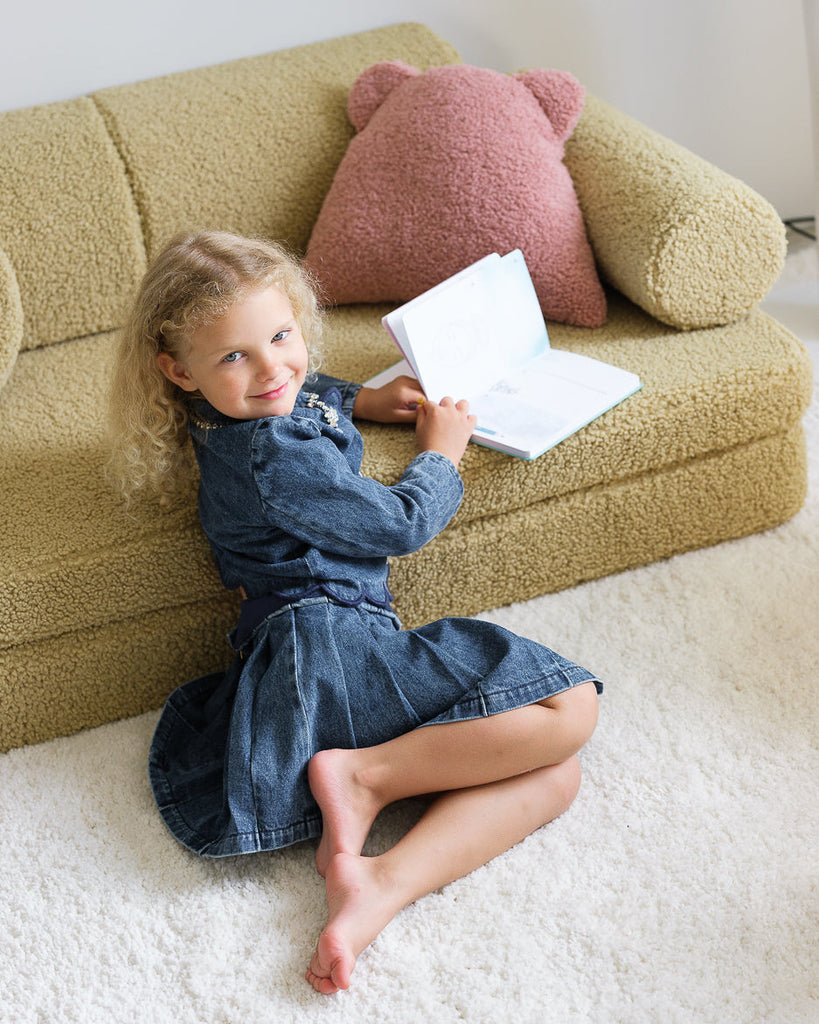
pixel 690 244
pixel 68 221
pixel 250 145
pixel 11 318
pixel 450 165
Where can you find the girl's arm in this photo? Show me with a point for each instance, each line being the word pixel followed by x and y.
pixel 311 492
pixel 322 503
pixel 394 402
pixel 444 427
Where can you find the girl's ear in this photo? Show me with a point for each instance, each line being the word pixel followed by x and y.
pixel 176 372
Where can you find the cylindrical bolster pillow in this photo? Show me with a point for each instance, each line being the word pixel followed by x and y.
pixel 11 318
pixel 690 244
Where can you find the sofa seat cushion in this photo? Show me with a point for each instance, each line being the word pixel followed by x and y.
pixel 704 391
pixel 73 558
pixel 11 318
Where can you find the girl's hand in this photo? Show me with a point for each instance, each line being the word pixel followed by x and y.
pixel 397 401
pixel 445 427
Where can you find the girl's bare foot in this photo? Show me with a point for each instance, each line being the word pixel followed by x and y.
pixel 361 901
pixel 348 806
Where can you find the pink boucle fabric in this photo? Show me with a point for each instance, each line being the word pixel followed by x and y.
pixel 449 165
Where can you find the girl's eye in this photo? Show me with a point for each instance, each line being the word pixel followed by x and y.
pixel 232 357
pixel 280 336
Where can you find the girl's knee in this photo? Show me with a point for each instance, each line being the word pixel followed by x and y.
pixel 577 709
pixel 588 709
pixel 567 778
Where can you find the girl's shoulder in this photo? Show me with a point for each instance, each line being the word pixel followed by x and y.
pixel 313 417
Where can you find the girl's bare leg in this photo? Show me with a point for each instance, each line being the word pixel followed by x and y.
pixel 460 832
pixel 352 786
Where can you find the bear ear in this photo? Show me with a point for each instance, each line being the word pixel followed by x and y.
pixel 561 96
pixel 373 86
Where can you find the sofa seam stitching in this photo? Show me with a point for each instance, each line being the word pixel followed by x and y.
pixel 107 117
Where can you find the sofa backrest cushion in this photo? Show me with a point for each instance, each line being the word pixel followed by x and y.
pixel 89 187
pixel 68 223
pixel 252 145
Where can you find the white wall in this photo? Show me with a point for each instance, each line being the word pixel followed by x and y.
pixel 727 78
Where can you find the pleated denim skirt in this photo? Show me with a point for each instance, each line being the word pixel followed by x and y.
pixel 228 761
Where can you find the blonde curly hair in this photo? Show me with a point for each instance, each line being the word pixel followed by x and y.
pixel 192 283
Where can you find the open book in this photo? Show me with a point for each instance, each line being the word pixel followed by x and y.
pixel 480 335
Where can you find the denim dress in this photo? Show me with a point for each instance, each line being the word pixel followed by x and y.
pixel 321 658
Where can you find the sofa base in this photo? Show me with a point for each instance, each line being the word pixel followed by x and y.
pixel 605 529
pixel 85 679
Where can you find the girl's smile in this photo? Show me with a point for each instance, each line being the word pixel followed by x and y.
pixel 249 364
pixel 276 393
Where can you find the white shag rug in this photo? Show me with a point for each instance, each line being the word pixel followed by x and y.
pixel 681 886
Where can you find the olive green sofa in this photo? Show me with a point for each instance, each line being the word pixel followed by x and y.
pixel 103 610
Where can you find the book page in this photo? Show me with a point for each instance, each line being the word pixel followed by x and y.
pixel 393 322
pixel 558 393
pixel 479 329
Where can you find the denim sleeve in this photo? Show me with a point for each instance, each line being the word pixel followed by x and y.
pixel 309 490
pixel 321 382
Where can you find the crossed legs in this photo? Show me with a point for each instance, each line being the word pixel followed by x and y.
pixel 500 778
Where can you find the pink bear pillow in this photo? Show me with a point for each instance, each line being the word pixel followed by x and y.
pixel 449 165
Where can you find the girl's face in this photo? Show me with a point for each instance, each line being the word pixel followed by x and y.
pixel 249 364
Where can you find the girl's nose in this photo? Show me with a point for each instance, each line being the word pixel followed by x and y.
pixel 268 366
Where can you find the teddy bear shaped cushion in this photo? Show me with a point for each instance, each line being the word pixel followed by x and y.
pixel 448 165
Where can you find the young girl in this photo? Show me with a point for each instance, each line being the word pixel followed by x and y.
pixel 330 711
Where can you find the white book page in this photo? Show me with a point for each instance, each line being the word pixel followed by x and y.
pixel 477 330
pixel 555 395
pixel 394 324
pixel 480 335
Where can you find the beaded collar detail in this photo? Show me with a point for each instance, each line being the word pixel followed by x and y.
pixel 330 414
pixel 313 401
